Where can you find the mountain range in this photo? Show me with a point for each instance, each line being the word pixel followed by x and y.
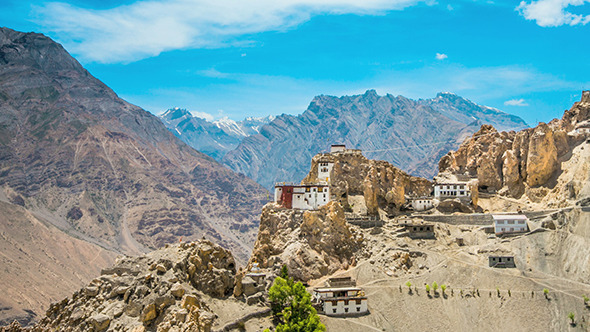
pixel 411 134
pixel 213 138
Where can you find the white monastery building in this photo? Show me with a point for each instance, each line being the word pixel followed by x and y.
pixel 337 148
pixel 510 223
pixel 452 190
pixel 302 197
pixel 324 169
pixel 341 301
pixel 422 203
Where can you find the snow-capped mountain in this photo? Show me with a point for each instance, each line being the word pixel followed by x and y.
pixel 214 138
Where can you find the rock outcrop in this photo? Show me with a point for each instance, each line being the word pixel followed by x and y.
pixel 311 243
pixel 381 185
pixel 531 162
pixel 166 290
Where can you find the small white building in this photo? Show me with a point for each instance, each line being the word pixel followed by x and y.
pixel 341 301
pixel 324 170
pixel 337 148
pixel 302 197
pixel 452 190
pixel 422 203
pixel 510 223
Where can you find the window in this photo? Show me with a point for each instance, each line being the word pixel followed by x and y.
pixel 521 222
pixel 314 189
pixel 462 193
pixel 454 187
pixel 358 309
pixel 511 222
pixel 461 187
pixel 358 302
pixel 345 309
pixel 333 311
pixel 306 189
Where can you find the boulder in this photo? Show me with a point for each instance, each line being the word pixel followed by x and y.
pixel 100 322
pixel 149 313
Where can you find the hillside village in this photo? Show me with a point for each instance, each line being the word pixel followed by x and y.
pixel 377 249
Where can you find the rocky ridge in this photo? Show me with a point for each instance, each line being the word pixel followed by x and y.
pixel 165 290
pixel 542 164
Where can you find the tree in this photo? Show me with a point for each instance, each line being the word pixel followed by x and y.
pixel 292 304
pixel 546 293
pixel 409 284
pixel 284 272
pixel 443 288
pixel 434 286
pixel 571 316
pixel 586 299
pixel 428 289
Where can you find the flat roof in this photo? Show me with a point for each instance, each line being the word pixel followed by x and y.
pixel 336 289
pixel 300 185
pixel 509 217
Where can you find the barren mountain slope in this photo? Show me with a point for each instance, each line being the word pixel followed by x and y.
pixel 40 264
pixel 86 161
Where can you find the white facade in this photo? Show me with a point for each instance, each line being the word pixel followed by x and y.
pixel 337 148
pixel 341 301
pixel 506 224
pixel 310 197
pixel 423 203
pixel 452 190
pixel 324 170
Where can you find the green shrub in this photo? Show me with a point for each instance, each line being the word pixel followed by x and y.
pixel 571 316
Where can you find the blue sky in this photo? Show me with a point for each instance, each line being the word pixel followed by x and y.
pixel 240 58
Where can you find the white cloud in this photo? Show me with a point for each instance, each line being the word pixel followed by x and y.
pixel 147 28
pixel 203 115
pixel 441 56
pixel 516 102
pixel 553 13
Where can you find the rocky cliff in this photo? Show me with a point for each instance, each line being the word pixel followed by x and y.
pixel 85 162
pixel 547 163
pixel 410 134
pixel 311 243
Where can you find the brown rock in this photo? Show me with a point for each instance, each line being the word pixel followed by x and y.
pixel 177 290
pixel 542 156
pixel 149 313
pixel 100 322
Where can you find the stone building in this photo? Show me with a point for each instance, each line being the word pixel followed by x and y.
pixel 502 261
pixel 419 230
